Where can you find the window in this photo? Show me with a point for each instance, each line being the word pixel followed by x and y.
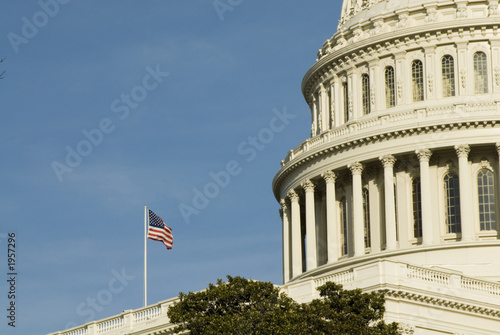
pixel 448 75
pixel 366 215
pixel 452 193
pixel 390 93
pixel 365 92
pixel 417 207
pixel 346 102
pixel 486 194
pixel 417 75
pixel 343 217
pixel 480 73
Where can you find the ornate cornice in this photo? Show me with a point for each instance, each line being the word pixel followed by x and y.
pixel 441 302
pixel 352 143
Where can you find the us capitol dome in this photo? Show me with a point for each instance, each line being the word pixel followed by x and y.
pixel 397 187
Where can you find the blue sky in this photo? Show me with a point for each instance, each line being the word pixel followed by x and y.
pixel 110 105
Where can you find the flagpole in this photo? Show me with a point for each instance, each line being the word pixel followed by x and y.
pixel 145 256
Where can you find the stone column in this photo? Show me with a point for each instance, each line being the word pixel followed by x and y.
pixel 296 234
pixel 286 239
pixel 390 211
pixel 425 195
pixel 465 184
pixel 325 115
pixel 314 111
pixel 311 258
pixel 357 207
pixel 332 238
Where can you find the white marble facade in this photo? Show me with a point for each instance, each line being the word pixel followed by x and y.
pixel 402 166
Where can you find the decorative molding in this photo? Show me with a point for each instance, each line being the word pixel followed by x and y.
pixel 441 302
pixel 356 168
pixel 462 10
pixel 293 196
pixel 430 82
pixel 283 204
pixel 497 76
pixel 462 150
pixel 307 185
pixel 329 176
pixel 387 161
pixel 423 154
pixel 463 78
pixel 485 164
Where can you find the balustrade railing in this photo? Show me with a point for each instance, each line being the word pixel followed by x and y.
pixel 373 122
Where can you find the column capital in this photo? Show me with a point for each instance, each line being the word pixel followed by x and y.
pixel 283 204
pixel 308 186
pixel 387 160
pixel 497 145
pixel 330 176
pixel 356 168
pixel 423 154
pixel 293 196
pixel 462 150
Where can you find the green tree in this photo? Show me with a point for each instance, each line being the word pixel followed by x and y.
pixel 242 306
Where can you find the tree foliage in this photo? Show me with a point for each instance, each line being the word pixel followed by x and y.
pixel 241 306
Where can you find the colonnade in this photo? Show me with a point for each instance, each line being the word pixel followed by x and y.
pixel 300 204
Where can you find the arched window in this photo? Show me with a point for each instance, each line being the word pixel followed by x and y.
pixel 486 194
pixel 345 88
pixel 452 193
pixel 480 73
pixel 417 76
pixel 448 76
pixel 390 91
pixel 366 215
pixel 365 93
pixel 417 207
pixel 343 218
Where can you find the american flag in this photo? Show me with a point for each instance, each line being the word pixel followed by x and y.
pixel 159 231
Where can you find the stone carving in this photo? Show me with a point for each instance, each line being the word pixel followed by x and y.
pixel 388 160
pixel 400 89
pixel 329 176
pixel 377 27
pixel 463 78
pixel 497 76
pixel 423 154
pixel 293 195
pixel 307 185
pixel 493 8
pixel 372 95
pixel 403 21
pixel 462 150
pixel 461 10
pixel 431 14
pixel 283 205
pixel 430 82
pixel 356 167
